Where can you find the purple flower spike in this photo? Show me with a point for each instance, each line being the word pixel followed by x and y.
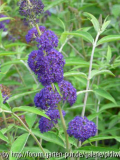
pixel 45 124
pixel 81 128
pixel 27 10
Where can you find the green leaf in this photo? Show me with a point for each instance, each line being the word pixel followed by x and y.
pixel 116 10
pixel 21 95
pixel 58 89
pixel 4 130
pixel 35 150
pixel 49 136
pixel 10 83
pixel 93 20
pixel 78 63
pixel 1 98
pixel 53 4
pixel 30 119
pixel 97 72
pixel 92 116
pixel 31 110
pixel 74 73
pixel 96 149
pixel 4 138
pixel 63 38
pixel 109 54
pixel 12 62
pixel 105 25
pixel 62 23
pixel 7 53
pixel 15 45
pixel 108 106
pixel 18 145
pixel 4 71
pixel 85 35
pixel 98 138
pixel 5 18
pixel 109 38
pixel 104 94
pixel 84 91
pixel 2 7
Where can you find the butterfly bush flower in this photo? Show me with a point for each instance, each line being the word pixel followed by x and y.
pixel 47 40
pixel 81 128
pixel 5 93
pixel 33 33
pixel 47 98
pixel 27 10
pixel 47 65
pixel 68 92
pixel 45 124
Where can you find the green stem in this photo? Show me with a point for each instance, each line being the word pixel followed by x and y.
pixel 64 128
pixel 89 74
pixel 6 125
pixel 37 27
pixel 63 124
pixel 30 132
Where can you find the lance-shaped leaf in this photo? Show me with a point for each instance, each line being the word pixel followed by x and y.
pixel 85 35
pixel 31 110
pixel 18 146
pixel 104 94
pixel 93 20
pixel 109 38
pixel 97 72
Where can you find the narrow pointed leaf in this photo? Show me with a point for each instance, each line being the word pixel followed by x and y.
pixel 21 95
pixel 98 138
pixel 104 94
pixel 49 136
pixel 18 145
pixel 97 72
pixel 85 35
pixel 109 38
pixel 94 21
pixel 74 73
pixel 3 137
pixel 31 110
